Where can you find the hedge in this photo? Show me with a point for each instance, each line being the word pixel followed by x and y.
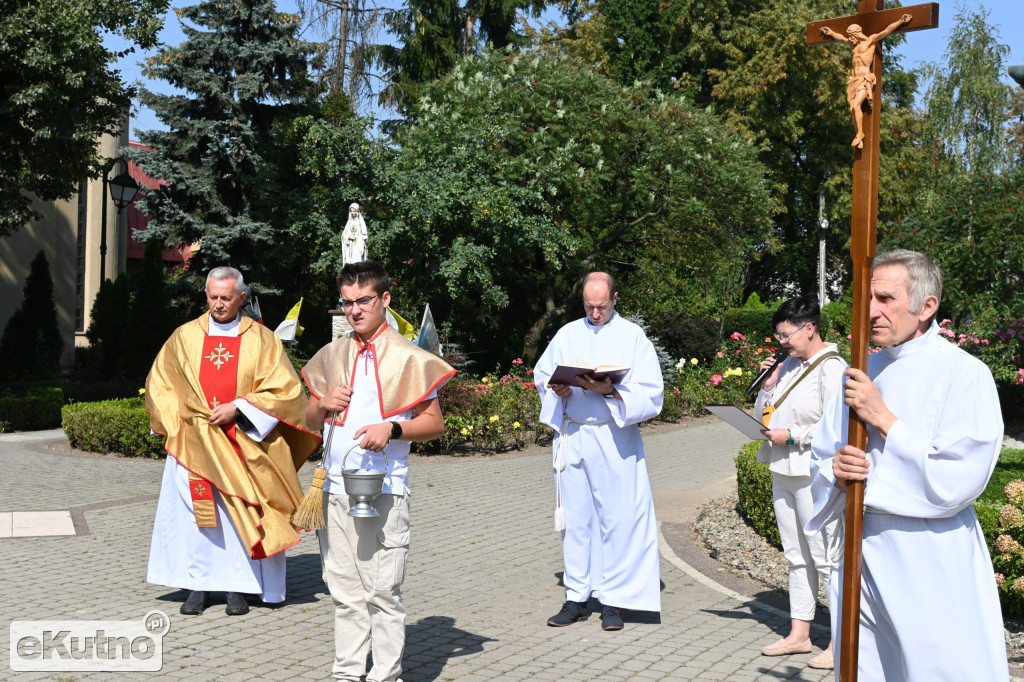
pixel 119 426
pixel 754 487
pixel 31 409
pixel 747 321
pixel 688 337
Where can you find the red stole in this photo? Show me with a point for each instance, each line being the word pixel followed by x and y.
pixel 218 373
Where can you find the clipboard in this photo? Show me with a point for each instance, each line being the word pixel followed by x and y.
pixel 739 419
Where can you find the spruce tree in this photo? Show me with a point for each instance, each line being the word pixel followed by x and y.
pixel 243 70
pixel 150 317
pixel 31 343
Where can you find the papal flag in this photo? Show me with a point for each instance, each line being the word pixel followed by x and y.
pixel 427 339
pixel 401 324
pixel 290 328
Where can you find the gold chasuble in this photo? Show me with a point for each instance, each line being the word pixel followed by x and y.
pixel 406 374
pixel 194 373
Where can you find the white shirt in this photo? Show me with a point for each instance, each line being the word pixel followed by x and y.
pixel 364 409
pixel 801 411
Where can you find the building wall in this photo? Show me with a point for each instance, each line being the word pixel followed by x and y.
pixel 57 235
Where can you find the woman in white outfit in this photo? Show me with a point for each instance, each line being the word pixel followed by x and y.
pixel 790 402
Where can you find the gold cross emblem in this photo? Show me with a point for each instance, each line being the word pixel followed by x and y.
pixel 199 489
pixel 219 356
pixel 215 403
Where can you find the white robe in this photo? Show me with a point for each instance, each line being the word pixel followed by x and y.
pixel 185 556
pixel 610 541
pixel 929 605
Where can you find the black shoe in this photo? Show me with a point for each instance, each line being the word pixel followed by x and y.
pixel 610 618
pixel 195 604
pixel 237 605
pixel 571 612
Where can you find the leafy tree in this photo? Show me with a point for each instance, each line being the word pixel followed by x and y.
pixel 243 69
pixel 789 99
pixel 524 171
pixel 430 35
pixel 31 344
pixel 977 237
pixel 324 164
pixel 60 92
pixel 1015 127
pixel 675 43
pixel 966 99
pixel 749 59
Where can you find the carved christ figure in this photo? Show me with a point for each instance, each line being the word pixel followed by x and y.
pixel 353 238
pixel 861 83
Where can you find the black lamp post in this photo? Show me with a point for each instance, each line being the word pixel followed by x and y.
pixel 123 189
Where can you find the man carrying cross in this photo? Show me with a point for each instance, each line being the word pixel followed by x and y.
pixel 861 83
pixel 929 609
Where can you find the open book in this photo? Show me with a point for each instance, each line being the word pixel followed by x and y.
pixel 566 374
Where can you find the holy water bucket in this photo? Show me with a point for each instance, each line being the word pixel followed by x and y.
pixel 363 486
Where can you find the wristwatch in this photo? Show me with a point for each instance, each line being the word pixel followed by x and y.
pixel 396 430
pixel 789 440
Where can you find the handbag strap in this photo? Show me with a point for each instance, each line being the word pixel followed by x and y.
pixel 823 358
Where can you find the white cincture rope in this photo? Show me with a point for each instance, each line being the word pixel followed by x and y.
pixel 559 461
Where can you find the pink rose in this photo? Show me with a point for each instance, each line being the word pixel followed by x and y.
pixel 717 379
pixel 736 336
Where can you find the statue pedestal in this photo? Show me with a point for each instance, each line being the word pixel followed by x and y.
pixel 339 324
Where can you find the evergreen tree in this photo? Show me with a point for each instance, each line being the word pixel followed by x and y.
pixel 244 70
pixel 639 40
pixel 31 343
pixel 149 318
pixel 108 334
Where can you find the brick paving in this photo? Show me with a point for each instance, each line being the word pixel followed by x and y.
pixel 484 575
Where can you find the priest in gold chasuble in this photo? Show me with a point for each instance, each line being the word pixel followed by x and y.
pixel 225 395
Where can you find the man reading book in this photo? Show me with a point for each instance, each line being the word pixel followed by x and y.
pixel 604 507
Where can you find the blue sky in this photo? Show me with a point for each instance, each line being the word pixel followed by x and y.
pixel 921 46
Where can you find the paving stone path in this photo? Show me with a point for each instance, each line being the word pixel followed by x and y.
pixel 484 574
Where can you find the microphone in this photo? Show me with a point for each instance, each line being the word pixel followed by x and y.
pixel 780 355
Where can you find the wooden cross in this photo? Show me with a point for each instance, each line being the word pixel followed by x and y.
pixel 872 20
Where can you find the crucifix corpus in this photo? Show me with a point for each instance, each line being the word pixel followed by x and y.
pixel 864 32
